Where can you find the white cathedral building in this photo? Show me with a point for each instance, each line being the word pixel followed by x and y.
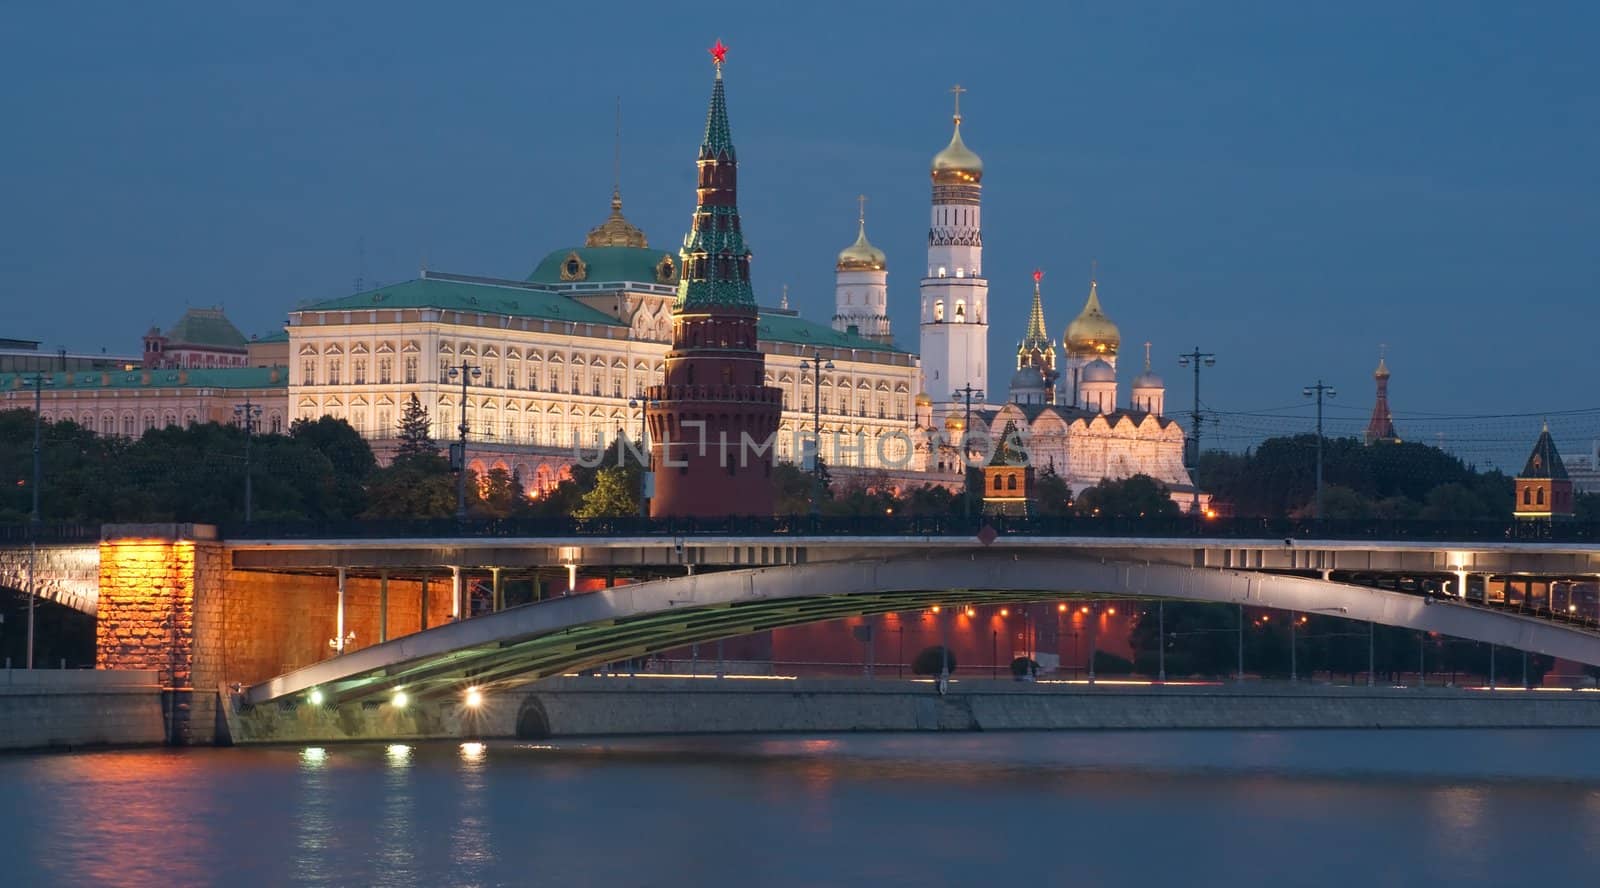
pixel 1072 417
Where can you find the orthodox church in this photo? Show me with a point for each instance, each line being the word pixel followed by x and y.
pixel 1067 414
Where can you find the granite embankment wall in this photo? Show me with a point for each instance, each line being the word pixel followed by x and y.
pixel 619 706
pixel 66 709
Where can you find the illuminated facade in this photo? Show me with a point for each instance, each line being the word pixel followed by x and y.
pixel 128 403
pixel 1081 431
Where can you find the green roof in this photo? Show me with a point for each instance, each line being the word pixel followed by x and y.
pixel 607 265
pixel 279 335
pixel 791 328
pixel 205 326
pixel 211 377
pixel 472 297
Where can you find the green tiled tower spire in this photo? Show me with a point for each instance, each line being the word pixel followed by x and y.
pixel 715 260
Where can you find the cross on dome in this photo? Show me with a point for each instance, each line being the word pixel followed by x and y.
pixel 957 90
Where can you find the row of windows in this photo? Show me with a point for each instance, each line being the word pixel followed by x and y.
pixel 130 425
pixel 358 371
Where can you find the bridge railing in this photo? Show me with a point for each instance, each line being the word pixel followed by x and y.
pixel 17 534
pixel 801 526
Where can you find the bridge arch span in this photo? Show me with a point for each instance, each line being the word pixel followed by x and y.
pixel 583 631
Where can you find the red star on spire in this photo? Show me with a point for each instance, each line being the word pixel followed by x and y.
pixel 718 53
pixel 1037 275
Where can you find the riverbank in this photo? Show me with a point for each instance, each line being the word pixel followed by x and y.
pixel 574 707
pixel 74 708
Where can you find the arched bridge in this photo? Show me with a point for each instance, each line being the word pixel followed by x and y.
pixel 527 643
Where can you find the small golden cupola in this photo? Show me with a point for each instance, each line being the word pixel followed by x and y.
pixel 1091 332
pixel 616 231
pixel 862 255
pixel 957 164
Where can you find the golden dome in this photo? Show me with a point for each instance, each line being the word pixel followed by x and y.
pixel 862 255
pixel 924 399
pixel 616 231
pixel 956 164
pixel 1091 332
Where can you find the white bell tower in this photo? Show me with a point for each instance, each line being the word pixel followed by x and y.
pixel 955 294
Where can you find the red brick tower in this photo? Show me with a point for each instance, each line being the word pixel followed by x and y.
pixel 713 420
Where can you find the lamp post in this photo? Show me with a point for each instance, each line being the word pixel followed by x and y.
pixel 1161 640
pixel 968 392
pixel 644 442
pixel 1319 391
pixel 39 382
pixel 467 372
pixel 1196 358
pixel 816 365
pixel 246 414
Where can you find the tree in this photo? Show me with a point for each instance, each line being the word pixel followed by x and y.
pixel 1140 496
pixel 792 489
pixel 416 433
pixel 499 494
pixel 614 495
pixel 1052 496
pixel 348 454
pixel 934 661
pixel 420 486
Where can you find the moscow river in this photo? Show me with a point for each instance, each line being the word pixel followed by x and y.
pixel 1337 808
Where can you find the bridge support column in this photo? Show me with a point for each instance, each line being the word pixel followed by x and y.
pixel 457 612
pixel 498 602
pixel 160 608
pixel 423 622
pixel 338 620
pixel 383 606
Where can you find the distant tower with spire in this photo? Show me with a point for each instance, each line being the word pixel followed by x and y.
pixel 955 294
pixel 1543 489
pixel 861 286
pixel 1381 426
pixel 1037 350
pixel 712 397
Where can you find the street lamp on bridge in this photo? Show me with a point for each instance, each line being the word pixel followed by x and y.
pixel 968 392
pixel 646 477
pixel 246 415
pixel 467 372
pixel 1319 391
pixel 1196 358
pixel 817 366
pixel 39 382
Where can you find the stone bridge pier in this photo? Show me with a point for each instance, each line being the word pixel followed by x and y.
pixel 170 602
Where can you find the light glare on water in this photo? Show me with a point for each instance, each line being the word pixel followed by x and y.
pixel 1343 808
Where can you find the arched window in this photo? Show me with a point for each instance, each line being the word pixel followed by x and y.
pixel 1527 496
pixel 997 482
pixel 1011 483
pixel 938 311
pixel 1538 496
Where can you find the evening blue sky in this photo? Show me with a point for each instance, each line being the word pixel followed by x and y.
pixel 1284 184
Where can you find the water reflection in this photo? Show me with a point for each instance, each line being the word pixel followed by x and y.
pixel 472 841
pixel 397 828
pixel 313 819
pixel 1402 808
